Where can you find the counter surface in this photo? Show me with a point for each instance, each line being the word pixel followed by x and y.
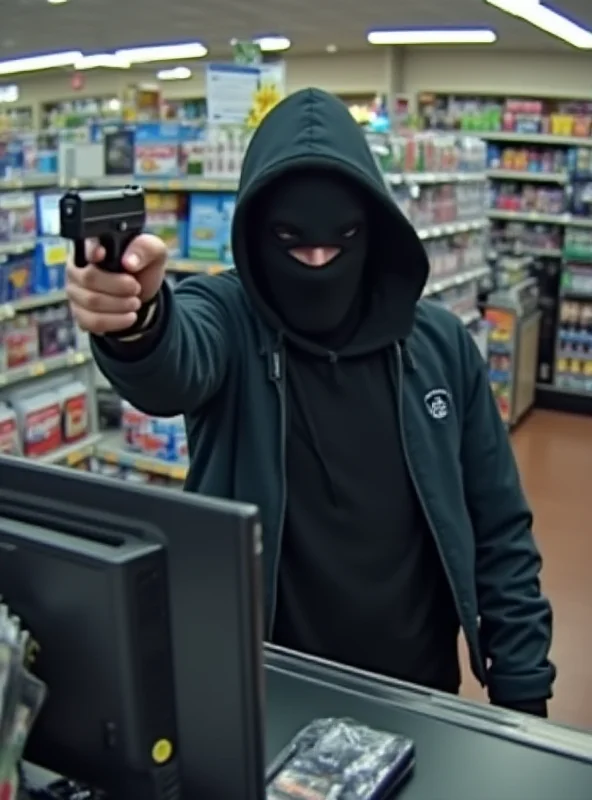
pixel 464 752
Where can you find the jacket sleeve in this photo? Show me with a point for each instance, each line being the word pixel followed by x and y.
pixel 516 619
pixel 187 361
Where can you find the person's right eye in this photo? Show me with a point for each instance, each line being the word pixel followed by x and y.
pixel 285 233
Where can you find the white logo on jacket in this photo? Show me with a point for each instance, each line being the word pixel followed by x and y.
pixel 437 403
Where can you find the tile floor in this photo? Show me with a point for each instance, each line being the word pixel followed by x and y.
pixel 554 452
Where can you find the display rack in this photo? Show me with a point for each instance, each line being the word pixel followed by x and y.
pixel 513 320
pixel 439 183
pixel 540 170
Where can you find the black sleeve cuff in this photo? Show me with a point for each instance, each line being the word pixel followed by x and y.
pixel 140 347
pixel 536 708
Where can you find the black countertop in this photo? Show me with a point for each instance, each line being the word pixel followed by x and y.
pixel 464 751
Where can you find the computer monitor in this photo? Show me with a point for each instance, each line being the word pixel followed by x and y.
pixel 213 559
pixel 97 604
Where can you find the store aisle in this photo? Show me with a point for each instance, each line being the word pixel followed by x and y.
pixel 554 452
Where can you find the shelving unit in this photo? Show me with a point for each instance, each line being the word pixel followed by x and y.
pixel 447 207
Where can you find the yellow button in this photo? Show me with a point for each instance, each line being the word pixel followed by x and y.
pixel 162 751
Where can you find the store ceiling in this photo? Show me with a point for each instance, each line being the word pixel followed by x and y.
pixel 35 26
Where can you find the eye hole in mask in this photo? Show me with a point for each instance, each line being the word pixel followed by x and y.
pixel 286 233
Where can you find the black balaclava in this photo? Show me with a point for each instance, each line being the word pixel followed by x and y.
pixel 311 209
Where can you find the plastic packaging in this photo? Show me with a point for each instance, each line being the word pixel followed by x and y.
pixel 21 697
pixel 340 759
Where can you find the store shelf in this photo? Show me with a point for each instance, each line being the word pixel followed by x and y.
pixel 529 177
pixel 433 178
pixel 536 138
pixel 191 266
pixel 541 219
pixel 189 184
pixel 37 369
pixel 111 450
pixel 441 285
pixel 15 248
pixel 40 181
pixel 450 229
pixel 10 310
pixel 72 454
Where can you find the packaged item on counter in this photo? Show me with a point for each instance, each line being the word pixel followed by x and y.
pixel 21 341
pixel 9 432
pixel 73 398
pixel 40 422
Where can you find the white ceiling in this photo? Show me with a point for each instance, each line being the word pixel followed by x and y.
pixel 34 26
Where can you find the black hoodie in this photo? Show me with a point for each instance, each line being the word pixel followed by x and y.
pixel 360 580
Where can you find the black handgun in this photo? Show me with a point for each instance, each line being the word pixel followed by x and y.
pixel 112 216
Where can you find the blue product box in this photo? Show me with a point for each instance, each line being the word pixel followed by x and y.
pixel 50 265
pixel 208 235
pixel 18 277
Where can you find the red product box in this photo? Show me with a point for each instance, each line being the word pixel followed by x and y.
pixel 42 429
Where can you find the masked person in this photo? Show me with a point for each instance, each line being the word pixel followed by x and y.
pixel 316 384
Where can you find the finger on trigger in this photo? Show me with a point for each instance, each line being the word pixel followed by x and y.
pixel 95 253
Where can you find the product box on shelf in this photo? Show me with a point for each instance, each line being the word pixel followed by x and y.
pixel 18 221
pixel 538 160
pixel 17 277
pixel 209 227
pixel 50 414
pixel 10 443
pixel 153 437
pixel 573 366
pixel 166 217
pixel 192 150
pixel 157 150
pixel 577 245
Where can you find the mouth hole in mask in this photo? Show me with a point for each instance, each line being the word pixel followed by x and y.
pixel 315 257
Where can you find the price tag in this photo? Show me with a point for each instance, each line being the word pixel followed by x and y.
pixel 78 358
pixel 38 369
pixel 178 473
pixel 7 312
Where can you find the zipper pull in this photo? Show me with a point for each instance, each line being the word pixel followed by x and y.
pixel 275 366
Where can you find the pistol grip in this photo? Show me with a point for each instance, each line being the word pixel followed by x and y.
pixel 115 247
pixel 80 259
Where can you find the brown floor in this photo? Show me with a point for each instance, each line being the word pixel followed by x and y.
pixel 554 452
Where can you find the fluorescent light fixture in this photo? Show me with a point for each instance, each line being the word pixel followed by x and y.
pixel 57 2
pixel 546 19
pixel 9 94
pixel 102 61
pixel 176 74
pixel 37 63
pixel 273 44
pixel 436 36
pixel 165 52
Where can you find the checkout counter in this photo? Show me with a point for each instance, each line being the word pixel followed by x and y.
pixel 464 751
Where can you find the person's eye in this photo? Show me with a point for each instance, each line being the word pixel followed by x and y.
pixel 350 231
pixel 285 233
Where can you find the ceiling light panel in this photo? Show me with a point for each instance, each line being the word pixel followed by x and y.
pixel 37 63
pixel 546 19
pixel 173 52
pixel 435 36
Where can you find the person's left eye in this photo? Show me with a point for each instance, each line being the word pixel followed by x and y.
pixel 349 233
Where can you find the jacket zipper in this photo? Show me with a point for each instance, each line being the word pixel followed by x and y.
pixel 277 379
pixel 431 526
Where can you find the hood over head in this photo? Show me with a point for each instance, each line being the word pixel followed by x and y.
pixel 311 139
